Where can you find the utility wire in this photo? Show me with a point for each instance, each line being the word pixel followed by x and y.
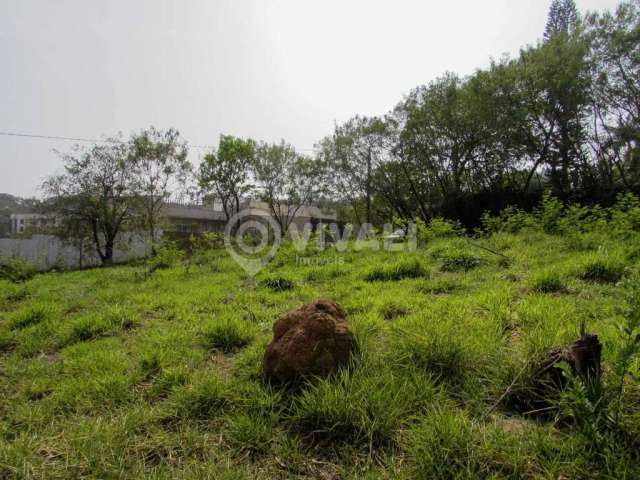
pixel 95 140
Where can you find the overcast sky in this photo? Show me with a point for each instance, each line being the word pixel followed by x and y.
pixel 264 69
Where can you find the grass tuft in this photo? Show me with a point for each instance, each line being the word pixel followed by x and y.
pixel 396 271
pixel 548 282
pixel 602 269
pixel 227 335
pixel 277 284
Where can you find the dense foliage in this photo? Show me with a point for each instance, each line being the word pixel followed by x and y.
pixel 563 116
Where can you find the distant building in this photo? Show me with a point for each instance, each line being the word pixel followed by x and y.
pixel 211 217
pixel 30 223
pixel 186 217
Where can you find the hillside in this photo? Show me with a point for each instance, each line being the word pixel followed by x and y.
pixel 113 373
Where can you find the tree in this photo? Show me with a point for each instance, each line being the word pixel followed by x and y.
pixel 225 173
pixel 355 149
pixel 287 181
pixel 563 19
pixel 615 62
pixel 97 193
pixel 160 163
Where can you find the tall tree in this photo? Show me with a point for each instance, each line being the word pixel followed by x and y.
pixel 355 149
pixel 287 181
pixel 160 161
pixel 226 172
pixel 615 57
pixel 562 19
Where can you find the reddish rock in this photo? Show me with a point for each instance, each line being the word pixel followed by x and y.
pixel 313 340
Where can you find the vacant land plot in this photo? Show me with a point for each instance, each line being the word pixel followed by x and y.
pixel 113 373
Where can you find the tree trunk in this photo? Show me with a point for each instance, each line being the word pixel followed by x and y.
pixel 368 188
pixel 108 252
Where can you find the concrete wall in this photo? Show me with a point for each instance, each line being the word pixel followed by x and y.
pixel 47 251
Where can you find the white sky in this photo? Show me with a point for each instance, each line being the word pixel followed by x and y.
pixel 265 69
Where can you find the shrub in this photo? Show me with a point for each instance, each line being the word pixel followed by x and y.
pixel 438 228
pixel 16 269
pixel 510 219
pixel 166 255
pixel 396 271
pixel 227 335
pixel 549 213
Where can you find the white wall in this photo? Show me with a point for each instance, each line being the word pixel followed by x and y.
pixel 47 251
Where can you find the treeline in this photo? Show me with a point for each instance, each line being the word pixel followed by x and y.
pixel 564 117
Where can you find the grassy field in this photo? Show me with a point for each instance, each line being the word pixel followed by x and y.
pixel 111 373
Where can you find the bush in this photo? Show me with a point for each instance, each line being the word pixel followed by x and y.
pixel 166 255
pixel 396 271
pixel 438 228
pixel 227 335
pixel 550 213
pixel 16 269
pixel 510 219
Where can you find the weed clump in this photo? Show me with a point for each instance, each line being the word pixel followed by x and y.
pixel 16 269
pixel 201 401
pixel 393 310
pixel 30 315
pixel 167 381
pixel 363 407
pixel 277 284
pixel 442 445
pixel 249 433
pixel 461 262
pixel 397 271
pixel 439 286
pixel 600 269
pixel 442 356
pixel 548 282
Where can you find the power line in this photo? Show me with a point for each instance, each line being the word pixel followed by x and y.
pixel 95 140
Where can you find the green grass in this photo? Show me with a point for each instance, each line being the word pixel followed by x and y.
pixel 107 373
